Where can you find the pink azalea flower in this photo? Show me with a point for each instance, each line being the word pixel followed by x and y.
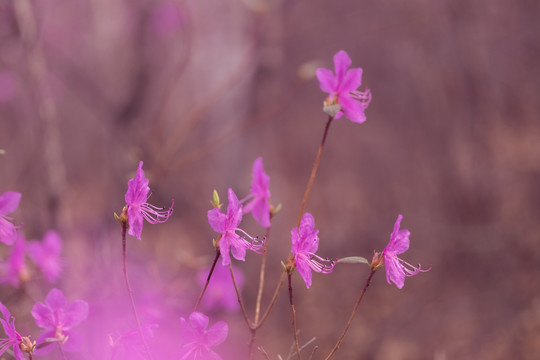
pixel 13 339
pixel 197 341
pixel 57 318
pixel 397 269
pixel 46 255
pixel 259 196
pixel 227 226
pixel 220 293
pixel 9 201
pixel 14 270
pixel 343 96
pixel 138 207
pixel 305 243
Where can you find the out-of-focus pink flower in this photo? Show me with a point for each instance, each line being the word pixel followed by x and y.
pixel 397 269
pixel 14 270
pixel 343 96
pixel 13 339
pixel 305 244
pixel 129 344
pixel 227 226
pixel 46 255
pixel 57 318
pixel 8 203
pixel 259 203
pixel 138 207
pixel 197 341
pixel 220 292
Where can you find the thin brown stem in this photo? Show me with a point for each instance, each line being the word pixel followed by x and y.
pixel 368 281
pixel 273 301
pixel 134 308
pixel 314 170
pixel 244 312
pixel 207 279
pixel 293 313
pixel 261 279
pixel 251 343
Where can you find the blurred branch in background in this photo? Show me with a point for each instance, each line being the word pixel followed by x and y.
pixel 38 78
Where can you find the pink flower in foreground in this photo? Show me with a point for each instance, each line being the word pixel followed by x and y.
pixel 397 269
pixel 13 339
pixel 305 243
pixel 220 293
pixel 259 196
pixel 197 341
pixel 14 270
pixel 138 207
pixel 57 318
pixel 8 203
pixel 227 226
pixel 343 96
pixel 46 255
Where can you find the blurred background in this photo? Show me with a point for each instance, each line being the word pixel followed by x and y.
pixel 199 89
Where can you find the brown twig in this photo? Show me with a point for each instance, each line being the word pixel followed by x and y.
pixel 293 313
pixel 208 279
pixel 244 312
pixel 314 170
pixel 368 281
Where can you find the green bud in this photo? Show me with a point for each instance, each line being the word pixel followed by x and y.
pixel 215 200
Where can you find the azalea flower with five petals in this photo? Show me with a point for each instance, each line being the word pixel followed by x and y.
pixel 305 244
pixel 343 96
pixel 57 318
pixel 137 206
pixel 397 269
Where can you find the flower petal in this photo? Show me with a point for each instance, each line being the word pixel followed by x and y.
pixel 399 239
pixel 224 248
pixel 198 321
pixel 342 61
pixel 394 271
pixel 135 219
pixel 76 312
pixel 42 315
pixel 217 220
pixel 217 333
pixel 327 81
pixel 238 249
pixel 9 201
pixel 353 110
pixel 138 189
pixel 234 211
pixel 302 264
pixel 351 81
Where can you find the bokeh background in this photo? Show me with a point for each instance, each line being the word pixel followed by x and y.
pixel 199 89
